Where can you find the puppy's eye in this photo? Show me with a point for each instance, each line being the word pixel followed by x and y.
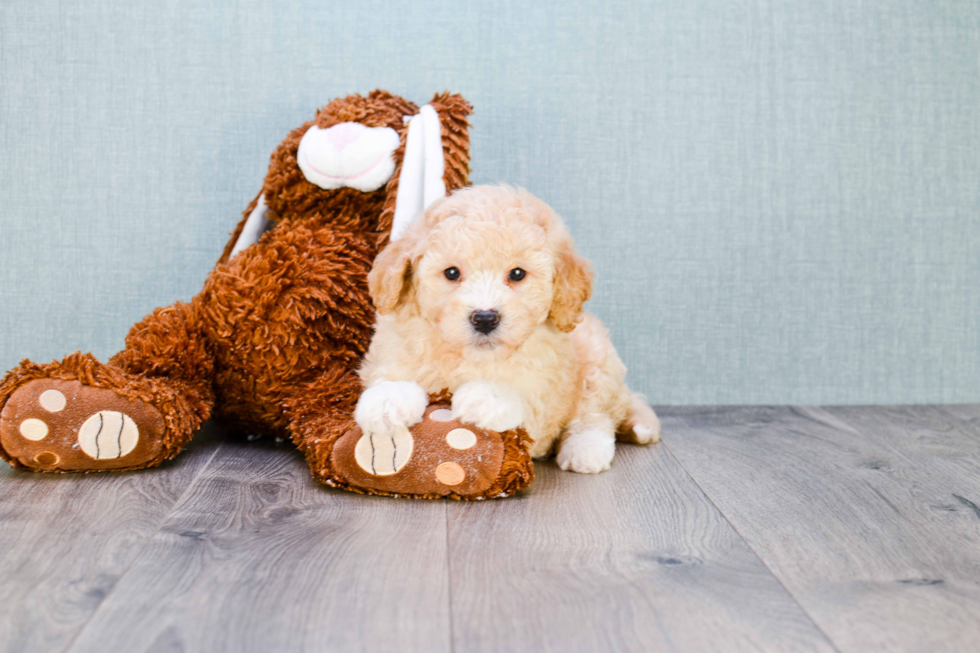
pixel 517 274
pixel 451 273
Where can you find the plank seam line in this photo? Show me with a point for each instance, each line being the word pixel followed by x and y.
pixel 449 582
pixel 149 539
pixel 761 560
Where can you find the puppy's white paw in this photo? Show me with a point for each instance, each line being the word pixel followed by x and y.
pixel 587 452
pixel 390 403
pixel 488 405
pixel 645 424
pixel 647 433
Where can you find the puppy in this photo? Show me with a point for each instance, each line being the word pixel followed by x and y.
pixel 483 295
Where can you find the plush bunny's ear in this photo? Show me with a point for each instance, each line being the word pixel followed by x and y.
pixel 255 222
pixel 410 198
pixel 420 183
pixel 433 186
pixel 433 160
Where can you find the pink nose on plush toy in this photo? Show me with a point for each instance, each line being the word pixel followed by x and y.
pixel 344 134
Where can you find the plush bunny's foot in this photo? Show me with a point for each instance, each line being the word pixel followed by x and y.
pixel 440 456
pixel 55 425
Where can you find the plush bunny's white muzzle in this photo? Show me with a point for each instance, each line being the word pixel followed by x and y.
pixel 348 154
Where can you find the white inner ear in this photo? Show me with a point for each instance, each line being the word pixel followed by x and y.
pixel 257 224
pixel 408 202
pixel 420 183
pixel 435 164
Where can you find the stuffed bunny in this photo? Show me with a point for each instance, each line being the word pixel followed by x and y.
pixel 272 343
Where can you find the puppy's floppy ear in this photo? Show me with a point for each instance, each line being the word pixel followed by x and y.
pixel 573 285
pixel 389 278
pixel 573 274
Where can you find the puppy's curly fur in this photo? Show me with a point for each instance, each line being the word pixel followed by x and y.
pixel 536 359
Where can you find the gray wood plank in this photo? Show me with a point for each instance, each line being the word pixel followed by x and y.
pixel 938 441
pixel 854 517
pixel 65 540
pixel 634 559
pixel 967 412
pixel 259 557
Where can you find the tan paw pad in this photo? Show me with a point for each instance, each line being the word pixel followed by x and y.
pixel 461 439
pixel 33 429
pixel 108 434
pixel 47 458
pixel 441 415
pixel 52 401
pixel 450 474
pixel 384 454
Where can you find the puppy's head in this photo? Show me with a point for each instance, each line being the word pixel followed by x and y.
pixel 486 266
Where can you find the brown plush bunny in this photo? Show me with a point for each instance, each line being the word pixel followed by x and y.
pixel 272 342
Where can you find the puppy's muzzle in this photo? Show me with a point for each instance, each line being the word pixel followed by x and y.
pixel 485 321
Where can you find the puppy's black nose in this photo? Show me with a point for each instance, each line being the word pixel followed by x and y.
pixel 485 321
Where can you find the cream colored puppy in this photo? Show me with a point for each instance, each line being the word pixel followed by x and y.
pixel 483 295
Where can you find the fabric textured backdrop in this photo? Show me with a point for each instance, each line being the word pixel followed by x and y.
pixel 780 198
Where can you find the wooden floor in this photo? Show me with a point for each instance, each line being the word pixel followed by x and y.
pixel 748 529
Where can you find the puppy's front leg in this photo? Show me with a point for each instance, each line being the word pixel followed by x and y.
pixel 488 405
pixel 384 412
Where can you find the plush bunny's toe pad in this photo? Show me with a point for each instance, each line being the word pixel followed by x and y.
pixel 55 425
pixel 445 458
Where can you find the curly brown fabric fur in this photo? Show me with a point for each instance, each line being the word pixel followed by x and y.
pixel 272 342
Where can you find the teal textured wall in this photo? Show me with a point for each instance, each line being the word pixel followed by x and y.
pixel 781 199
